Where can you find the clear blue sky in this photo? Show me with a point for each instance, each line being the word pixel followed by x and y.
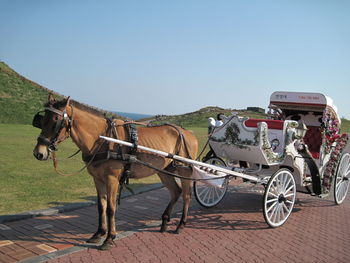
pixel 174 57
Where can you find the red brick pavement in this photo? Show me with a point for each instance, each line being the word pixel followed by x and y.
pixel 234 231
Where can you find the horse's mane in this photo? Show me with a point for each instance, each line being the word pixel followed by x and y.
pixel 93 110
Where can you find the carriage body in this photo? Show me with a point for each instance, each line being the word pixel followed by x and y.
pixel 299 143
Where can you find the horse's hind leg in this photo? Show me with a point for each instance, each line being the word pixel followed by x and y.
pixel 175 192
pixel 186 196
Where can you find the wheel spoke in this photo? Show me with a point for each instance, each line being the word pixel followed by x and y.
pixel 279 185
pixel 288 195
pixel 273 213
pixel 201 191
pixel 273 189
pixel 286 185
pixel 272 200
pixel 346 170
pixel 289 202
pixel 273 194
pixel 272 206
pixel 339 185
pixel 289 189
pixel 347 173
pixel 207 190
pixel 210 195
pixel 215 193
pixel 282 210
pixel 346 165
pixel 340 191
pixel 285 207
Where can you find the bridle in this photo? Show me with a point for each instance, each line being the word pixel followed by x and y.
pixel 64 122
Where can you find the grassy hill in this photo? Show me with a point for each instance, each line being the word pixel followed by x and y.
pixel 21 98
pixel 200 118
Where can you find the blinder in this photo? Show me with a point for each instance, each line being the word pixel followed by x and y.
pixel 38 120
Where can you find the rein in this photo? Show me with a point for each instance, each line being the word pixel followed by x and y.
pixel 55 162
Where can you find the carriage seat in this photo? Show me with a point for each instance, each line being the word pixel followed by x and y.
pixel 275 130
pixel 243 139
pixel 271 124
pixel 313 139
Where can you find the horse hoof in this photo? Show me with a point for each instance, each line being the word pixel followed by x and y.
pixel 94 240
pixel 179 229
pixel 106 245
pixel 163 228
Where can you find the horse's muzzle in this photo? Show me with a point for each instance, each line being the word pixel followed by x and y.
pixel 38 156
pixel 41 153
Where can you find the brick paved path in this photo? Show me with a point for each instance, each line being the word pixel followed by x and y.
pixel 234 231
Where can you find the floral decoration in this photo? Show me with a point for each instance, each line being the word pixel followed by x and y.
pixel 271 156
pixel 329 129
pixel 330 171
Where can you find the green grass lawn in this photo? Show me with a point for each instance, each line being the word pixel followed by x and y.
pixel 345 126
pixel 29 184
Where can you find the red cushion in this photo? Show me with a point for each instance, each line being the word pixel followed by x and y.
pixel 271 124
pixel 313 139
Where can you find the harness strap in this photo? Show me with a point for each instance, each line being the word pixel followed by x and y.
pixel 181 142
pixel 131 131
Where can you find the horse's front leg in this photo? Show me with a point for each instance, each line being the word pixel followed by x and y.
pixel 112 194
pixel 101 207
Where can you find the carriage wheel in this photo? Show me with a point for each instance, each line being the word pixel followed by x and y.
pixel 279 198
pixel 207 195
pixel 341 185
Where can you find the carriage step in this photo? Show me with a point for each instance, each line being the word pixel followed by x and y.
pixel 323 195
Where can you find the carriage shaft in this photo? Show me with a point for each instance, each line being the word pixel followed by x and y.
pixel 183 159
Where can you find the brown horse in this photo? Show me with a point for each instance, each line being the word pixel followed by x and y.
pixel 65 118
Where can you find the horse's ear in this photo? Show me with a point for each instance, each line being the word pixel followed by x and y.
pixel 51 99
pixel 68 100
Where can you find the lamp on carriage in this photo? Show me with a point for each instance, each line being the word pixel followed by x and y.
pixel 300 131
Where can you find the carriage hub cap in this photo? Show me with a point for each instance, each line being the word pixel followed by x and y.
pixel 281 198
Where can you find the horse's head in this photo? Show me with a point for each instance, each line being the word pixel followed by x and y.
pixel 55 125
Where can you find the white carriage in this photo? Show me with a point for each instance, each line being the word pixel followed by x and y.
pixel 298 148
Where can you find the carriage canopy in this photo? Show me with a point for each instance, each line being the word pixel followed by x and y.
pixel 291 102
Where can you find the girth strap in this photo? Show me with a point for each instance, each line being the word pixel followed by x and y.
pixel 108 155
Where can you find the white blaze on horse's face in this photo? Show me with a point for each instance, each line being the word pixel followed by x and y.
pixel 41 152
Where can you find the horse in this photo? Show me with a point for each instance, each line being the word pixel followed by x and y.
pixel 66 118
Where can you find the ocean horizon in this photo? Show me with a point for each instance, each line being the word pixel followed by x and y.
pixel 133 116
